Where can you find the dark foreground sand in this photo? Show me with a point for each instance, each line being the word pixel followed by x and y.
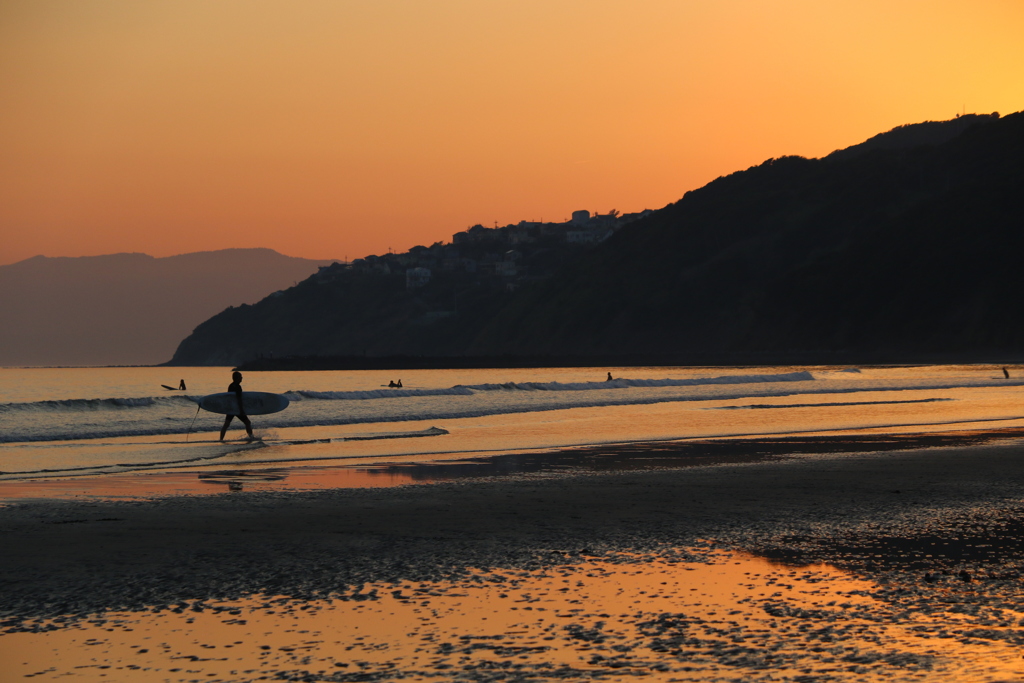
pixel 909 519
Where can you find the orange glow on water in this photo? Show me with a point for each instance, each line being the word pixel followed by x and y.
pixel 334 129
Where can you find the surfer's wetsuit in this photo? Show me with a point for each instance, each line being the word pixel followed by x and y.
pixel 236 389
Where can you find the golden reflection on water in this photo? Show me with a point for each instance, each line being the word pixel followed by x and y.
pixel 737 618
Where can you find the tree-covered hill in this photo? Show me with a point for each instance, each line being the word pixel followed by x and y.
pixel 893 253
pixel 905 247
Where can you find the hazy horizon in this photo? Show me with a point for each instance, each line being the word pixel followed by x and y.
pixel 152 256
pixel 128 308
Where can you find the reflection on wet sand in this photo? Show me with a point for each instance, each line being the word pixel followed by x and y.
pixel 570 576
pixel 733 618
pixel 399 471
pixel 144 486
pixel 236 480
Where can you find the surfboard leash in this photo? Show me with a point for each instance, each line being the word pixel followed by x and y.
pixel 198 408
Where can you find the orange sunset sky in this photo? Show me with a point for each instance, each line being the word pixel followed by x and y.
pixel 338 128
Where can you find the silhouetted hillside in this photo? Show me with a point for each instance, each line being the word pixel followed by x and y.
pixel 428 300
pixel 891 254
pixel 127 309
pixel 898 251
pixel 347 311
pixel 914 135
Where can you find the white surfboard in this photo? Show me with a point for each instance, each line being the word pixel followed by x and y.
pixel 254 402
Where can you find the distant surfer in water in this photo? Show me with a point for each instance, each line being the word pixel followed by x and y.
pixel 181 385
pixel 236 388
pixel 609 377
pixel 1006 373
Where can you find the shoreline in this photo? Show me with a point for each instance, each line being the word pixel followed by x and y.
pixel 304 473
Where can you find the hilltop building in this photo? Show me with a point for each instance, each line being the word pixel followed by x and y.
pixel 500 257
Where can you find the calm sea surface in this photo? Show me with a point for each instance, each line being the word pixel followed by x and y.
pixel 61 421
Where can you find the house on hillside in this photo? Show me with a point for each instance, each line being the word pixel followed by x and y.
pixel 588 236
pixel 505 268
pixel 554 231
pixel 627 218
pixel 479 233
pixel 416 277
pixel 508 266
pixel 374 263
pixel 524 233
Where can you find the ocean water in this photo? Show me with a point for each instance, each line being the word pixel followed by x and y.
pixel 58 422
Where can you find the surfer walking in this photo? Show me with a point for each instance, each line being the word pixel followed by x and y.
pixel 236 388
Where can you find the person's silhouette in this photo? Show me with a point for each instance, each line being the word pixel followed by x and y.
pixel 236 388
pixel 181 385
pixel 609 377
pixel 1006 373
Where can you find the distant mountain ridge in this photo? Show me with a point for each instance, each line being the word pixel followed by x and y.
pixel 131 308
pixel 904 247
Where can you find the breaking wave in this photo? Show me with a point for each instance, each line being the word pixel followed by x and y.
pixel 90 404
pixel 374 393
pixel 96 404
pixel 79 419
pixel 470 389
pixel 626 383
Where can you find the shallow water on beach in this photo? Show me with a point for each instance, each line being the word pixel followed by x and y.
pixel 667 617
pixel 732 617
pixel 85 421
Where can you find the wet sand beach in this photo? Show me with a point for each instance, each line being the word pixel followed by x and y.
pixel 876 564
